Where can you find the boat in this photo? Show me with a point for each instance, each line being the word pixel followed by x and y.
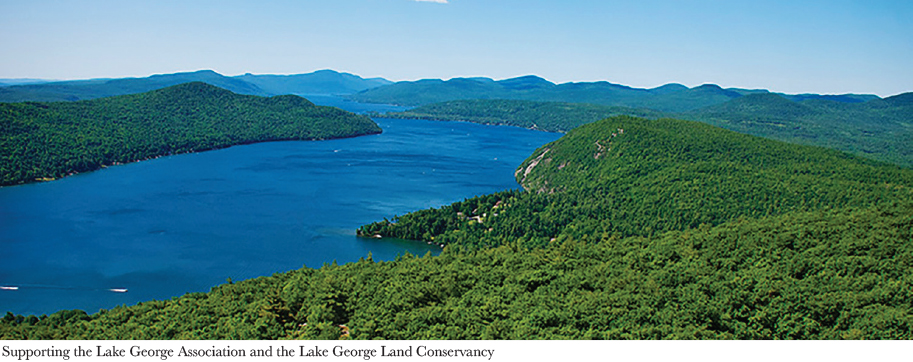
pixel 8 288
pixel 118 290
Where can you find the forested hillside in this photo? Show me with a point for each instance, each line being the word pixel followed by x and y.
pixel 628 176
pixel 544 116
pixel 42 141
pixel 827 274
pixel 880 129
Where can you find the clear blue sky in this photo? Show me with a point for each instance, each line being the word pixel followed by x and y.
pixel 791 46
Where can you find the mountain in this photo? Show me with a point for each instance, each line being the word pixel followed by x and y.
pixel 632 229
pixel 631 176
pixel 43 141
pixel 667 98
pixel 429 91
pixel 880 129
pixel 668 88
pixel 19 81
pixel 98 88
pixel 319 82
pixel 602 93
pixel 843 98
pixel 759 105
pixel 697 97
pixel 525 83
pixel 900 100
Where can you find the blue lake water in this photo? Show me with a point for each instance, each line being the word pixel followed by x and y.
pixel 184 223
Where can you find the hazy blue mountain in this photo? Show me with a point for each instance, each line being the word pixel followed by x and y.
pixel 667 98
pixel 98 88
pixel 427 91
pixel 668 88
pixel 482 79
pixel 319 82
pixel 687 99
pixel 525 83
pixel 844 98
pixel 19 81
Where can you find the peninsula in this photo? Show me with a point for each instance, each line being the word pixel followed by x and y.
pixel 46 141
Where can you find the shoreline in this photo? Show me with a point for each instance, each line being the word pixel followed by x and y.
pixel 157 156
pixel 435 119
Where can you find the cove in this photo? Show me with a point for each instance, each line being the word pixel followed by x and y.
pixel 165 227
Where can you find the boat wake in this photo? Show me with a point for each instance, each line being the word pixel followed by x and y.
pixel 39 286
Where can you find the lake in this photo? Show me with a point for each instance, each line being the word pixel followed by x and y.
pixel 185 223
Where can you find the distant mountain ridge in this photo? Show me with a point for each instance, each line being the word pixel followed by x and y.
pixel 99 88
pixel 19 81
pixel 319 82
pixel 670 97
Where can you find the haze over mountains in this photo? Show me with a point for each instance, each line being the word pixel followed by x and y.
pixel 668 98
pixel 319 82
pixel 863 124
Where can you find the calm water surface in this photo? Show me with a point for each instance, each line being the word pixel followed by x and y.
pixel 179 224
